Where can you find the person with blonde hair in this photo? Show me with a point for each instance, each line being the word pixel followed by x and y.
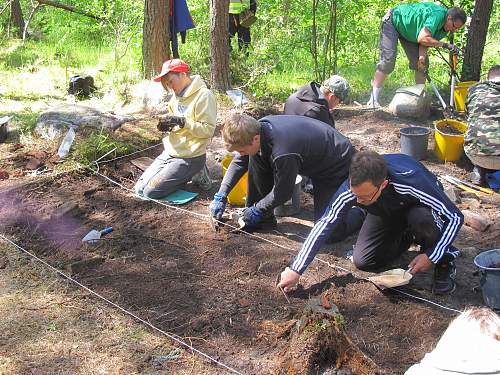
pixel 274 150
pixel 470 345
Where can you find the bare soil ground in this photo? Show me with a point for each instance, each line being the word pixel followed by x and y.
pixel 214 291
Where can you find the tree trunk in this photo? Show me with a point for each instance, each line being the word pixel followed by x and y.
pixel 476 38
pixel 219 47
pixel 30 17
pixel 16 17
pixel 155 36
pixel 314 40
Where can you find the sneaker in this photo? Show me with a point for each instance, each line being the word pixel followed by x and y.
pixel 309 188
pixel 373 104
pixel 203 179
pixel 478 176
pixel 444 276
pixel 349 254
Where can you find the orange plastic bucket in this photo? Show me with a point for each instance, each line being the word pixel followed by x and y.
pixel 237 196
pixel 449 136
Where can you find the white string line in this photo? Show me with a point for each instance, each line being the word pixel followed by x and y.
pixel 79 166
pixel 289 249
pixel 204 216
pixel 124 156
pixel 395 289
pixel 426 300
pixel 121 308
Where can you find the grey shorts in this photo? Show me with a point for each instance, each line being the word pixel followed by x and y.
pixel 388 46
pixel 167 174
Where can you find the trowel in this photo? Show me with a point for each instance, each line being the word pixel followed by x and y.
pixel 94 235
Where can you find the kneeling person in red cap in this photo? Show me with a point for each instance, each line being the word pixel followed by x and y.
pixel 190 125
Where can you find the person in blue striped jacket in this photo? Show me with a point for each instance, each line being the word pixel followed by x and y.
pixel 405 204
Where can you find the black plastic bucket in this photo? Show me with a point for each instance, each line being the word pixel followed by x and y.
pixel 413 141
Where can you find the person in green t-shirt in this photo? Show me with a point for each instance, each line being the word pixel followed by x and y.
pixel 418 27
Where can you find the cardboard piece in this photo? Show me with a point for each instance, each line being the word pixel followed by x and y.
pixel 391 278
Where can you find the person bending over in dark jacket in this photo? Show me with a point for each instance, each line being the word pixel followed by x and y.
pixel 405 203
pixel 316 101
pixel 274 150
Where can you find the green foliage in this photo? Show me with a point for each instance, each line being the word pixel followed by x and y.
pixel 25 121
pixel 285 40
pixel 96 145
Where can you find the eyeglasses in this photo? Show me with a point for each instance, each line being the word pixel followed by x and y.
pixel 372 197
pixel 454 26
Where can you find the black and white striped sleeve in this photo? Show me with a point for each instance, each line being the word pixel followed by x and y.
pixel 341 202
pixel 437 204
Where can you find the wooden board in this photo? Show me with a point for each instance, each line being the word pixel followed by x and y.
pixel 142 163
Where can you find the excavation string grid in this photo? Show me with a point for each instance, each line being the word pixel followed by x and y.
pixel 169 335
pixel 287 248
pixel 204 217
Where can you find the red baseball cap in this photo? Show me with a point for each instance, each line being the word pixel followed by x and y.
pixel 174 65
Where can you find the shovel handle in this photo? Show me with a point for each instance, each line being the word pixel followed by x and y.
pixel 469 190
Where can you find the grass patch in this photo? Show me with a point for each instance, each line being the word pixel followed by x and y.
pixel 96 145
pixel 25 121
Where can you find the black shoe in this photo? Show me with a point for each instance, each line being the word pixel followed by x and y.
pixel 267 223
pixel 444 276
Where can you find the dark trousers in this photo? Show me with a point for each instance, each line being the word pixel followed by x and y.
pixel 381 240
pixel 322 194
pixel 243 32
pixel 261 182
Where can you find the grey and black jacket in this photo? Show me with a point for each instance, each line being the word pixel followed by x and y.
pixel 309 101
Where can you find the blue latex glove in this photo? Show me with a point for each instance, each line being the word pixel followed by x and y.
pixel 218 205
pixel 252 216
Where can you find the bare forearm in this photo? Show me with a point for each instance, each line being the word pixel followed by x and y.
pixel 422 51
pixel 428 41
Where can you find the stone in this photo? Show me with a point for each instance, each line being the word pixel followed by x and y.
pixel 453 194
pixel 56 121
pixel 411 101
pixel 33 163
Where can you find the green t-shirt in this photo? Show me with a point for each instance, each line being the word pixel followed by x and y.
pixel 410 19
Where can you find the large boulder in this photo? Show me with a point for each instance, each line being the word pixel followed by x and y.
pixel 56 121
pixel 412 102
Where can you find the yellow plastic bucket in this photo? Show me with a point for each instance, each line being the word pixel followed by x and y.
pixel 449 146
pixel 238 194
pixel 460 94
